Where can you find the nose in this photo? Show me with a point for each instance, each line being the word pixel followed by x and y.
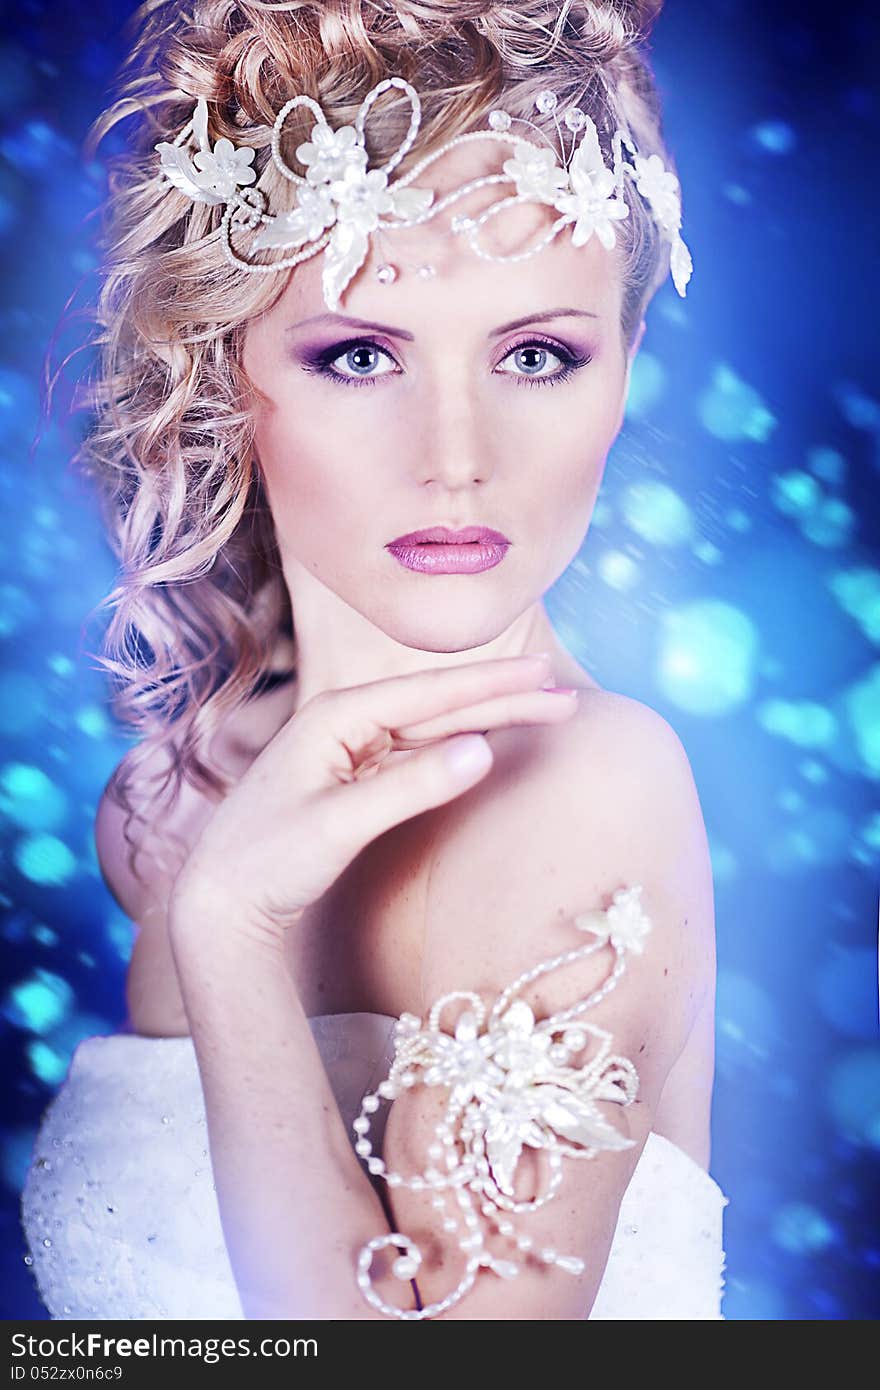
pixel 455 442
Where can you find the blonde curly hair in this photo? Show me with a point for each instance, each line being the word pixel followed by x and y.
pixel 200 608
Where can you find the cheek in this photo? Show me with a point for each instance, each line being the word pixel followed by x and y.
pixel 564 465
pixel 569 495
pixel 312 472
pixel 563 449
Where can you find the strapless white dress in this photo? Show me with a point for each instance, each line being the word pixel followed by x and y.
pixel 120 1213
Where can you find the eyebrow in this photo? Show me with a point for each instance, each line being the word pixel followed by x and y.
pixel 343 319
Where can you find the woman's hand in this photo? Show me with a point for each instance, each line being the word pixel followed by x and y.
pixel 347 766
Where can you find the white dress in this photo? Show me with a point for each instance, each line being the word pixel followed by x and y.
pixel 120 1213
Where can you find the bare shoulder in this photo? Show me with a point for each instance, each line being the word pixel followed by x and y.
pixel 639 752
pixel 652 829
pixel 604 777
pixel 575 813
pixel 569 814
pixel 141 882
pixel 143 888
pixel 162 847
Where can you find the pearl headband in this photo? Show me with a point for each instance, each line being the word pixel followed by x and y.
pixel 341 201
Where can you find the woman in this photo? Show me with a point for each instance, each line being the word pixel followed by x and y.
pixel 384 862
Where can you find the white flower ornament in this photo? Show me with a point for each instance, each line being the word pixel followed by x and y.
pixel 513 1081
pixel 330 152
pixel 624 923
pixel 660 187
pixel 341 201
pixel 535 172
pixel 212 176
pixel 592 202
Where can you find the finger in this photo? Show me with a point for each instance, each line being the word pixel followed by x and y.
pixel 344 727
pixel 420 780
pixel 398 701
pixel 524 707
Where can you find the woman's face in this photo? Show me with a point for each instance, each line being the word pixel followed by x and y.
pixel 487 395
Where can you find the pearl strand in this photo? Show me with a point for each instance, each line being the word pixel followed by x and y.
pixel 464 1118
pixel 243 208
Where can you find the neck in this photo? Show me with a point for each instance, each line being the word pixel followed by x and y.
pixel 337 646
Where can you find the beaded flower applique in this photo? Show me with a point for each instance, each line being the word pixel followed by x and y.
pixel 341 201
pixel 512 1081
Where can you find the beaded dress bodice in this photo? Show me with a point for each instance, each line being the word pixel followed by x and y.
pixel 121 1219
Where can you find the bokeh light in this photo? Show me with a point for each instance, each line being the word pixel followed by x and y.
pixel 730 579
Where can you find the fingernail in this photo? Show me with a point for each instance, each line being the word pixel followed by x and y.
pixel 468 754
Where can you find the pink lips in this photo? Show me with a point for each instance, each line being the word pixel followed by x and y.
pixel 439 550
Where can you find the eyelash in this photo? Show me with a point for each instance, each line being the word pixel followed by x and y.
pixel 321 364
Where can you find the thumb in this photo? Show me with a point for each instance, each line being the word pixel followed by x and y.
pixel 421 779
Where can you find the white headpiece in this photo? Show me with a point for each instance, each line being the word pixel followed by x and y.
pixel 341 200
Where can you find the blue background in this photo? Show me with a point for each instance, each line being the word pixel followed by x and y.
pixel 731 579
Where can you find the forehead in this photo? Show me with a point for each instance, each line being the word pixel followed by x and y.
pixel 465 285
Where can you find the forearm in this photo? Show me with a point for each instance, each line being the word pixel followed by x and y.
pixel 295 1202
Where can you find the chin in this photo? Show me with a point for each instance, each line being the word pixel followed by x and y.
pixel 457 635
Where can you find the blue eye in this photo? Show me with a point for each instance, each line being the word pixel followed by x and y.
pixel 533 373
pixel 361 355
pixel 361 370
pixel 358 354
